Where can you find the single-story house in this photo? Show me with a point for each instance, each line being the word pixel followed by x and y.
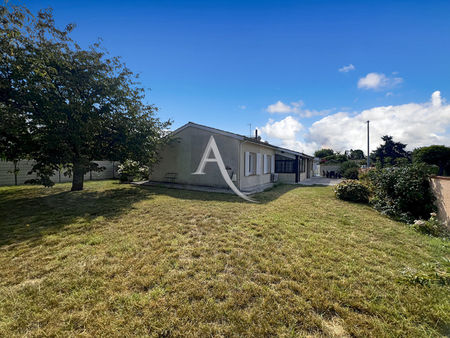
pixel 251 164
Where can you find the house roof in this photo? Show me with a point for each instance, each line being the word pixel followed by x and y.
pixel 239 137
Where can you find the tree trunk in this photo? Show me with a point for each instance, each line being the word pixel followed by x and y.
pixel 78 177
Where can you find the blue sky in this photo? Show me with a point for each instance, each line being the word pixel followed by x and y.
pixel 224 64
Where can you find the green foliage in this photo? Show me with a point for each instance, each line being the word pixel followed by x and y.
pixel 432 227
pixel 353 191
pixel 350 169
pixel 334 159
pixel 323 153
pixel 434 274
pixel 403 193
pixel 62 104
pixel 434 155
pixel 348 164
pixel 356 154
pixel 132 170
pixel 351 173
pixel 388 153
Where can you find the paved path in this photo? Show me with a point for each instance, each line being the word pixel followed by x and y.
pixel 320 181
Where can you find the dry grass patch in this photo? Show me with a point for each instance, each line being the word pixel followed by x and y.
pixel 122 260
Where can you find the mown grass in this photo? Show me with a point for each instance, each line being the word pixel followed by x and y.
pixel 123 260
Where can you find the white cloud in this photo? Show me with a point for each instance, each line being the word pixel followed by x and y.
pixel 378 81
pixel 285 129
pixel 285 133
pixel 416 124
pixel 282 108
pixel 243 107
pixel 346 69
pixel 296 108
pixel 436 100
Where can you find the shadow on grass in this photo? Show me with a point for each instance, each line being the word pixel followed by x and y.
pixel 28 214
pixel 262 197
pixel 31 213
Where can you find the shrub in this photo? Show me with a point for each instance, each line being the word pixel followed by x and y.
pixel 403 193
pixel 352 190
pixel 132 170
pixel 432 227
pixel 351 173
pixel 349 170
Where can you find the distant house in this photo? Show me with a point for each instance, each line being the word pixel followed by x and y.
pixel 251 164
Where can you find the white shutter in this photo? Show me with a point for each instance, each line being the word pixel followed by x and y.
pixel 247 164
pixel 265 167
pixel 272 166
pixel 258 164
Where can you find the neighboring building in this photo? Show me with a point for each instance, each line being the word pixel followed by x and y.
pixel 251 164
pixel 331 169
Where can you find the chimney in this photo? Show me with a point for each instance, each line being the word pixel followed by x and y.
pixel 256 133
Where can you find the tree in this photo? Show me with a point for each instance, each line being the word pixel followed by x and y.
pixel 389 152
pixel 323 153
pixel 334 159
pixel 78 105
pixel 435 154
pixel 356 154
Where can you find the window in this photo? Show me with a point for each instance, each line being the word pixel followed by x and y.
pixel 285 166
pixel 250 164
pixel 302 164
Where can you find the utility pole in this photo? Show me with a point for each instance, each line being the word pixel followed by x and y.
pixel 368 151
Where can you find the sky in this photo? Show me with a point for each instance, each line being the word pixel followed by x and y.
pixel 306 74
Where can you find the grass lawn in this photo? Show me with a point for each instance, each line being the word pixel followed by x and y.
pixel 123 260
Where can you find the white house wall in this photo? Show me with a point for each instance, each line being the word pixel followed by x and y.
pixel 182 157
pixel 248 183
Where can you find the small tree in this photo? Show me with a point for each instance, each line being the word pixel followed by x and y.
pixel 434 155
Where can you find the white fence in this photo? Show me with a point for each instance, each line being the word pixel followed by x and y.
pixel 7 172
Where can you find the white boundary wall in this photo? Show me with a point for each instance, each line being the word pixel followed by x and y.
pixel 24 166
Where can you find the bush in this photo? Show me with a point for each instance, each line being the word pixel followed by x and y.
pixel 431 227
pixel 351 173
pixel 403 193
pixel 350 170
pixel 353 191
pixel 132 170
